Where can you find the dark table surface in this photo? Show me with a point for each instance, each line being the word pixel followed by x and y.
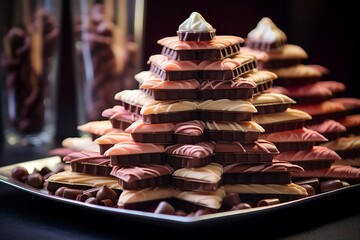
pixel 29 216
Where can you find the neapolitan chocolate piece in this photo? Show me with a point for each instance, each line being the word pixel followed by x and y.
pixel 145 199
pixel 312 158
pixel 294 140
pixel 133 100
pixel 277 172
pixel 143 176
pixel 329 128
pixel 299 75
pixel 226 69
pixel 260 151
pixel 78 180
pixel 190 132
pixel 189 155
pixel 253 193
pixel 290 119
pixel 243 131
pixel 322 111
pixel 169 111
pixel 133 153
pixel 351 123
pixel 158 133
pixel 238 88
pixel 108 140
pixel 203 179
pixel 287 56
pixel 344 173
pixel 167 90
pixel 98 128
pixel 226 110
pixel 311 93
pixel 210 200
pixel 352 105
pixel 268 102
pixel 119 117
pixel 346 147
pixel 218 48
pixel 89 162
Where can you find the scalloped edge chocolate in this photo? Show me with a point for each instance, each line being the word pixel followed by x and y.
pixel 204 74
pixel 201 54
pixel 283 126
pixel 171 117
pixel 91 168
pixel 172 94
pixel 314 164
pixel 263 87
pixel 272 108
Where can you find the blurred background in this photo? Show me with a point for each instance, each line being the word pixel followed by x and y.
pixel 324 29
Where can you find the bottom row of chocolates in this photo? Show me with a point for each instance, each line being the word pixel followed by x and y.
pixel 168 200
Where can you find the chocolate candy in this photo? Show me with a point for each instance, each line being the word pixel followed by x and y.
pixel 240 206
pixel 268 202
pixel 330 185
pixel 19 173
pixel 310 189
pixel 106 193
pixel 35 180
pixel 26 82
pixel 229 201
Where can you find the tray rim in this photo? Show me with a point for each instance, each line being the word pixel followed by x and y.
pixel 147 216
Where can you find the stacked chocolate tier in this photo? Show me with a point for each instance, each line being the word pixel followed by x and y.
pixel 309 144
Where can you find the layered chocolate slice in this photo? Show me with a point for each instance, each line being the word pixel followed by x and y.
pixel 276 172
pixel 260 151
pixel 206 178
pixel 143 176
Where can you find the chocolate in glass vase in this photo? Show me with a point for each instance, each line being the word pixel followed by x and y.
pixel 29 59
pixel 107 52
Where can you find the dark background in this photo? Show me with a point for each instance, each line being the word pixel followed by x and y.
pixel 324 29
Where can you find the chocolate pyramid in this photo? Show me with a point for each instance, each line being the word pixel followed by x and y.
pixel 306 84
